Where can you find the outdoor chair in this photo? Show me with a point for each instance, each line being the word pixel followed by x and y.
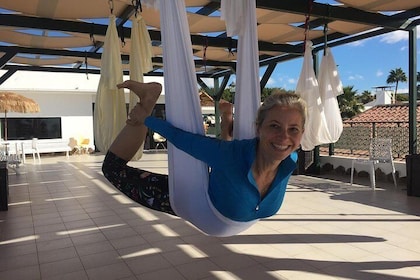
pixel 35 152
pixel 74 146
pixel 380 151
pixel 11 155
pixel 159 140
pixel 84 145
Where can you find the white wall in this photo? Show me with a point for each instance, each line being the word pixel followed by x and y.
pixel 345 162
pixel 74 108
pixel 66 95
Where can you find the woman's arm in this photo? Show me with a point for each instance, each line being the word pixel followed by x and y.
pixel 204 148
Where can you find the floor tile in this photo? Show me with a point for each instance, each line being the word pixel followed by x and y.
pixel 65 221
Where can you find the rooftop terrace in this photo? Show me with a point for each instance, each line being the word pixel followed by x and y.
pixel 65 221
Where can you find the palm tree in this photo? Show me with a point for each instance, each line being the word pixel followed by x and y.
pixel 366 97
pixel 349 103
pixel 395 76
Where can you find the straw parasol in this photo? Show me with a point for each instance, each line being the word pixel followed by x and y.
pixel 12 102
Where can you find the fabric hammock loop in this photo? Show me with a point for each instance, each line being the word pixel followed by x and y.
pixel 91 34
pixel 122 37
pixel 325 30
pixel 230 48
pixel 307 18
pixel 205 46
pixel 137 6
pixel 86 66
pixel 111 6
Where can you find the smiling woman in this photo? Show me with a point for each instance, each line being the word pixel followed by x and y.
pixel 249 174
pixel 248 177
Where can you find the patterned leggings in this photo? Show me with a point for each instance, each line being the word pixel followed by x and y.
pixel 146 188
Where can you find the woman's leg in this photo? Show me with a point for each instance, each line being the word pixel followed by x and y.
pixel 226 124
pixel 146 188
pixel 130 138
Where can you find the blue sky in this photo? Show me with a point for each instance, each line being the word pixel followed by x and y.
pixel 363 64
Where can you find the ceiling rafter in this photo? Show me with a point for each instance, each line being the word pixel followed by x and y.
pixel 323 14
pixel 331 12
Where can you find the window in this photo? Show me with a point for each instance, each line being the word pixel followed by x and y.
pixel 28 128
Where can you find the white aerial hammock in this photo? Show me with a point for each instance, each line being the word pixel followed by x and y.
pixel 330 87
pixel 140 61
pixel 316 131
pixel 324 124
pixel 240 18
pixel 110 113
pixel 188 177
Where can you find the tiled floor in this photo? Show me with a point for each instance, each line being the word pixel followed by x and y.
pixel 66 222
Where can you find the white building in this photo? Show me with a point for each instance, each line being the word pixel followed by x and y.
pixel 383 96
pixel 70 97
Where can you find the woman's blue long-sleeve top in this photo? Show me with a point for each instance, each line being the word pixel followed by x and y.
pixel 232 188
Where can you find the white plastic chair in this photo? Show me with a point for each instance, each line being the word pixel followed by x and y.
pixel 74 147
pixel 380 151
pixel 159 140
pixel 35 151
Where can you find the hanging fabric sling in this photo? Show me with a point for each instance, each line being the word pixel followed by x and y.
pixel 110 113
pixel 188 177
pixel 140 61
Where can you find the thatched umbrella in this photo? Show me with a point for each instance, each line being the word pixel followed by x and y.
pixel 12 102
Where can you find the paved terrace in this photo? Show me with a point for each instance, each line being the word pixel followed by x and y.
pixel 66 222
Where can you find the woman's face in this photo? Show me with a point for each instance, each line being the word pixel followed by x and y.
pixel 281 132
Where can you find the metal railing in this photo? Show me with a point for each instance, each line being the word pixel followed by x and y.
pixel 355 139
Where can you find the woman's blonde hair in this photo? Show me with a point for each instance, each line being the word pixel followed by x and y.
pixel 290 100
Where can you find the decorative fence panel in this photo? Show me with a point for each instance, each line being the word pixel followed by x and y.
pixel 355 139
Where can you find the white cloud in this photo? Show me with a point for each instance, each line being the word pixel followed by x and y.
pixel 357 43
pixel 271 82
pixel 292 81
pixel 355 77
pixel 379 73
pixel 394 37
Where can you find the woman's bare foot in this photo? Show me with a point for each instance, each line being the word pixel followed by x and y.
pixel 148 94
pixel 226 124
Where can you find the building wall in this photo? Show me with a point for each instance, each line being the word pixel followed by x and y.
pixel 74 108
pixel 69 96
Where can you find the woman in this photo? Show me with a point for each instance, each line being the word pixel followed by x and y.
pixel 248 178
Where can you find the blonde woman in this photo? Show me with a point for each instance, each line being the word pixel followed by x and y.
pixel 248 178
